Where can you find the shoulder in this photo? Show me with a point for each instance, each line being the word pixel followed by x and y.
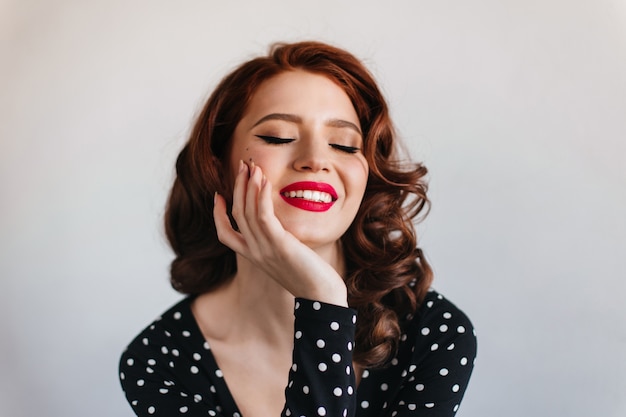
pixel 440 326
pixel 173 334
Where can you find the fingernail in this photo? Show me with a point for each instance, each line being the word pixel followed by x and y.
pixel 215 198
pixel 263 181
pixel 252 168
pixel 241 166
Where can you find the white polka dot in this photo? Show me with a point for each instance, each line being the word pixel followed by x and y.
pixel 305 389
pixel 197 356
pixel 463 361
pixel 349 346
pixel 337 392
pixel 460 329
pixel 384 387
pixel 287 412
pixel 177 315
pixel 456 407
pixel 447 315
pixel 334 325
pixel 197 398
pixel 212 413
pixel 294 367
pixel 443 328
pixel 168 383
pixel 149 370
pixel 164 350
pixel 206 346
pixel 411 407
pixel 183 409
pixel 451 346
pixel 298 334
pixel 151 410
pixel 140 382
pixel 394 361
pixel 365 404
pixel 194 369
pixel 353 319
pixel 130 362
pixel 434 347
pixel 166 333
pixel 290 384
pixel 320 343
pixel 439 297
pixel 412 368
pixel 345 412
pixel 321 411
pixel 429 304
pixel 429 405
pixel 145 341
pixel 316 306
pixel 175 352
pixel 403 337
pixel 163 390
pixel 236 414
pixel 336 357
pixel 322 367
pixel 212 389
pixel 297 305
pixel 219 373
pixel 419 387
pixel 171 364
pixel 186 333
pixel 184 394
pixel 122 376
pixel 151 362
pixel 404 373
pixel 455 388
pixel 443 372
pixel 366 373
pixel 350 390
pixel 348 370
pixel 425 331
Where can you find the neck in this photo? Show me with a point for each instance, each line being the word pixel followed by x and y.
pixel 253 305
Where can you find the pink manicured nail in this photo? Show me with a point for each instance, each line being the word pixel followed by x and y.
pixel 241 166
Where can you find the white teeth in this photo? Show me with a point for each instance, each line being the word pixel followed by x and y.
pixel 311 195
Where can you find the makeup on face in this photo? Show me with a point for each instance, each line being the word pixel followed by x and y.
pixel 309 195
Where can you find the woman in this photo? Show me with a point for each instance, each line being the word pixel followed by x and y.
pixel 290 200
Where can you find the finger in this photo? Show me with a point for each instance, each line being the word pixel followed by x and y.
pixel 239 198
pixel 268 222
pixel 252 195
pixel 225 232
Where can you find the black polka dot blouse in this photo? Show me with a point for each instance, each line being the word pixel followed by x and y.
pixel 169 370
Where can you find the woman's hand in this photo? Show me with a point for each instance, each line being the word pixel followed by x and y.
pixel 264 242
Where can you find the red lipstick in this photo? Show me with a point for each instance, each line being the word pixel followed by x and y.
pixel 310 196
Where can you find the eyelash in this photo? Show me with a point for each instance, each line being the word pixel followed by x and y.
pixel 273 140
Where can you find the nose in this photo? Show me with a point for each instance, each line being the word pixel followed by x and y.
pixel 312 155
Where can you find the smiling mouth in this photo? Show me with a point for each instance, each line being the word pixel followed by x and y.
pixel 309 195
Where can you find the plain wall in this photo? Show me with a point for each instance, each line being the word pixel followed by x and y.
pixel 517 107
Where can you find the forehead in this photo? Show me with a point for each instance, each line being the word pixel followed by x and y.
pixel 302 93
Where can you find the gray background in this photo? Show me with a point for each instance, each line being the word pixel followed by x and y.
pixel 517 107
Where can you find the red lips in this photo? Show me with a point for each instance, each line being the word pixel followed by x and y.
pixel 305 203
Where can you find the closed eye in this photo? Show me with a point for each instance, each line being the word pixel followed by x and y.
pixel 273 140
pixel 343 148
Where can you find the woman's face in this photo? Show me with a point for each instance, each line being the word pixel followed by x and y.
pixel 303 131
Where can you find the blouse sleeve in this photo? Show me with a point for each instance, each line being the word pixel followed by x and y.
pixel 160 378
pixel 321 379
pixel 441 365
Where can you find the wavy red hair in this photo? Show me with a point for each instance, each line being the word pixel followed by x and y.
pixel 387 275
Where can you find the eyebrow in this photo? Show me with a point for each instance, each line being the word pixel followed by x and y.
pixel 339 123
